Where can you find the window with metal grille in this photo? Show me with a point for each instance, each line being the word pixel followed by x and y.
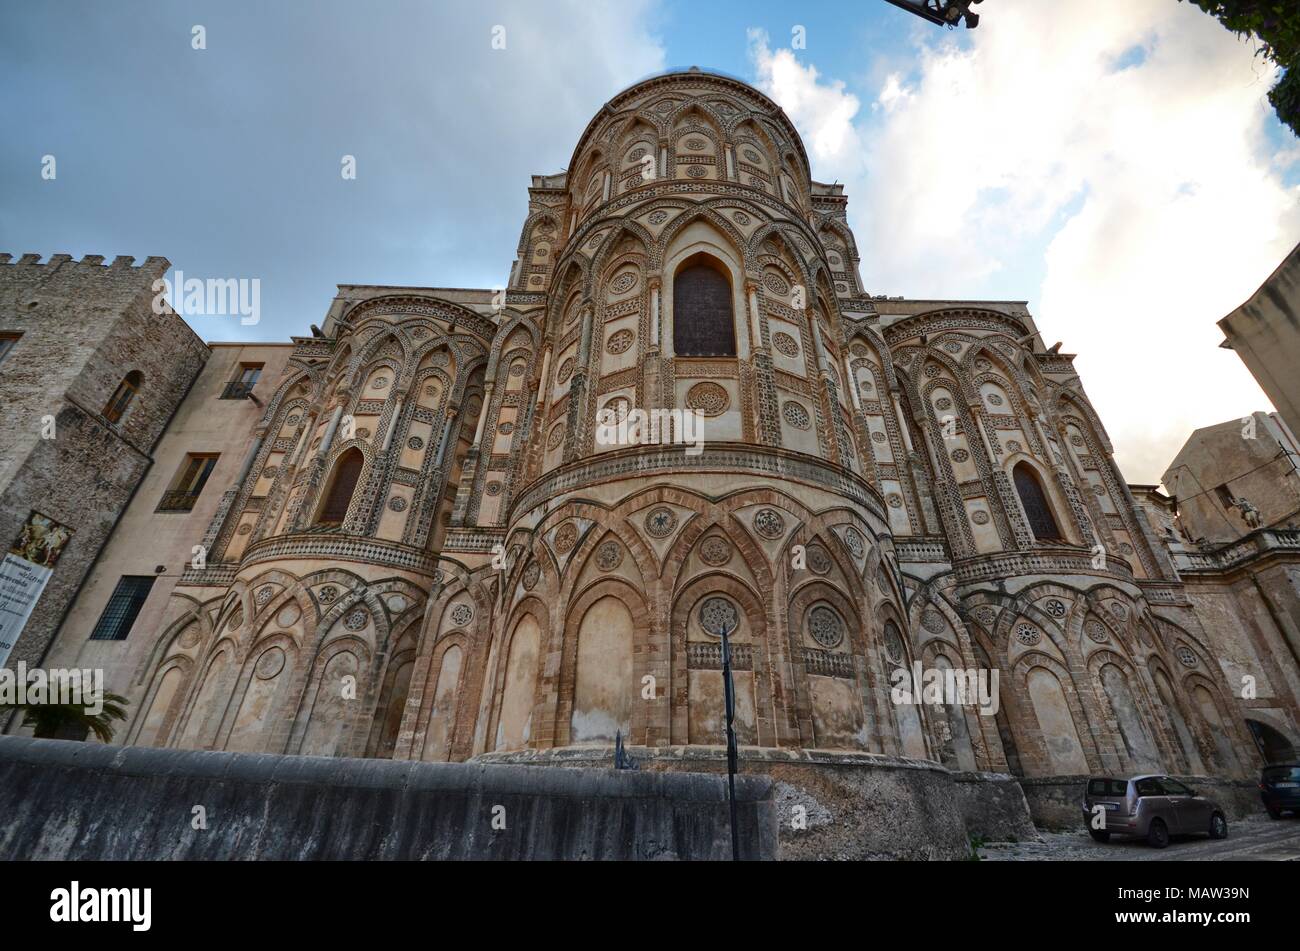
pixel 241 388
pixel 346 473
pixel 7 342
pixel 122 397
pixel 703 325
pixel 189 482
pixel 1041 521
pixel 123 607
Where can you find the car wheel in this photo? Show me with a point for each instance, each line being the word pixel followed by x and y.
pixel 1274 813
pixel 1158 834
pixel 1218 826
pixel 1099 835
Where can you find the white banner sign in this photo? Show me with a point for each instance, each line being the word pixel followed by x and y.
pixel 21 584
pixel 24 573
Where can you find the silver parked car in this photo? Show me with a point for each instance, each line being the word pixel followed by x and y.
pixel 1151 807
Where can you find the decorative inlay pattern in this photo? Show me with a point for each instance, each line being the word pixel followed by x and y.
pixel 857 548
pixel 357 619
pixel 960 455
pixel 623 282
pixel 531 574
pixel 1055 607
pixel 658 217
pixel 819 562
pixel 708 398
pixel 556 437
pixel 609 555
pixel 263 595
pixel 697 171
pixel 785 344
pixel 493 488
pixel 328 594
pixel 769 523
pixel 397 503
pixel 379 382
pixel 740 217
pixel 715 551
pixel 566 536
pixel 620 341
pixel 1096 631
pixel 825 626
pixel 979 517
pixel 894 645
pixel 566 371
pixel 461 614
pixel 932 621
pixel 776 284
pixel 1186 656
pixel 661 522
pixel 796 415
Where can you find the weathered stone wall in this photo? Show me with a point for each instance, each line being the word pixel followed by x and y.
pixel 80 801
pixel 84 327
pixel 841 806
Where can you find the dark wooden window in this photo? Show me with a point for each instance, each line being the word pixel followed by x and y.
pixel 7 342
pixel 123 607
pixel 703 325
pixel 1034 500
pixel 122 397
pixel 242 387
pixel 346 473
pixel 188 483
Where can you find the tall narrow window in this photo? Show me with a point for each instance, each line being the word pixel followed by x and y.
pixel 189 481
pixel 121 399
pixel 1034 500
pixel 241 388
pixel 7 342
pixel 703 325
pixel 123 607
pixel 346 473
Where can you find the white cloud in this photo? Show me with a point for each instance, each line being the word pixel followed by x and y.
pixel 1108 159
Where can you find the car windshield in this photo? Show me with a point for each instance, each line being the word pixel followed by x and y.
pixel 1108 787
pixel 1281 774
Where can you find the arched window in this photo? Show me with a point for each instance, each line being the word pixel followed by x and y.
pixel 1034 500
pixel 703 325
pixel 121 399
pixel 346 473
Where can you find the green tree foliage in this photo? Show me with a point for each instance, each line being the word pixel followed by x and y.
pixel 1276 24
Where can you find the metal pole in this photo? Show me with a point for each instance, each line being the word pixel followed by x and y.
pixel 731 743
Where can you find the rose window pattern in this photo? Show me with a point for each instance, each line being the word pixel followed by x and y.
pixel 709 398
pixel 462 614
pixel 1028 635
pixel 718 616
pixel 825 627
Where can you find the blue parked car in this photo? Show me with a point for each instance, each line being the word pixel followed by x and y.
pixel 1279 787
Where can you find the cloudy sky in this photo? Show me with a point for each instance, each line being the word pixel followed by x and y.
pixel 1113 162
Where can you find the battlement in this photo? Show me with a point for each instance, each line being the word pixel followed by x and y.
pixel 152 266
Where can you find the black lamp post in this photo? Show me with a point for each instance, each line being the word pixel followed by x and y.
pixel 718 617
pixel 941 12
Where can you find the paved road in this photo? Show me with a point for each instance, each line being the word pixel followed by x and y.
pixel 1257 838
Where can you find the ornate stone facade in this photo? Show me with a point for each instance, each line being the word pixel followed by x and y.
pixel 883 483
